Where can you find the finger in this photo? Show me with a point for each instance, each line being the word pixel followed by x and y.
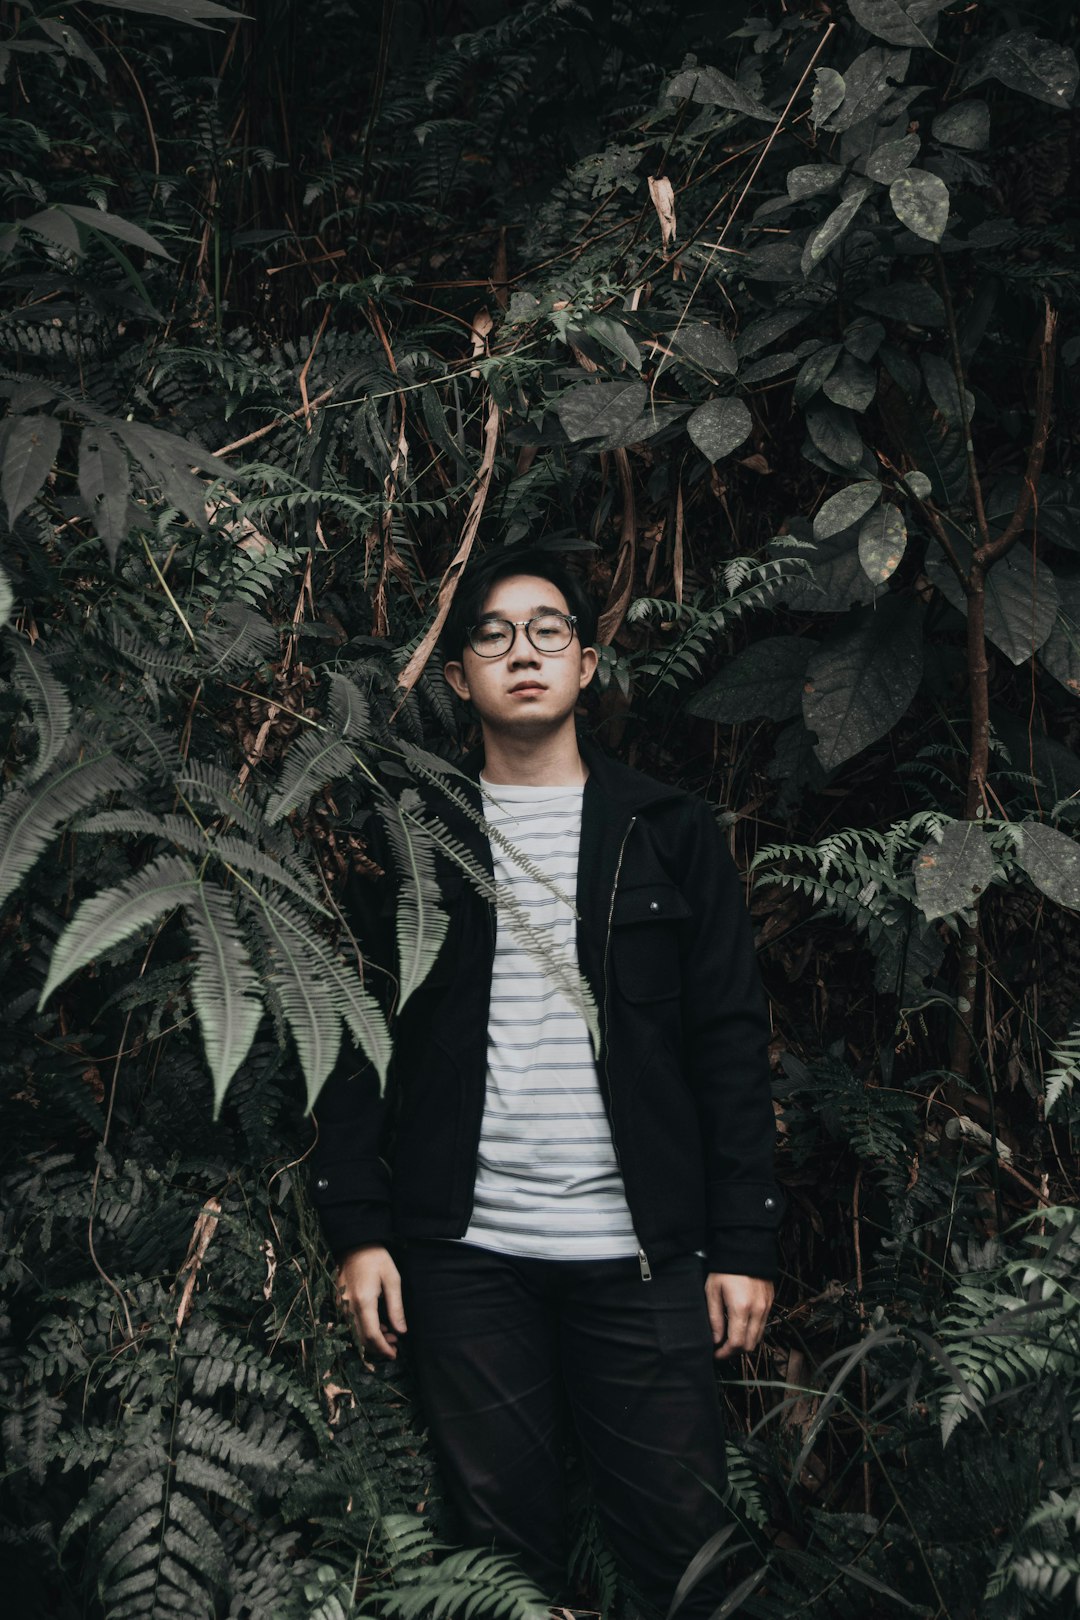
pixel 714 1301
pixel 371 1330
pixel 737 1324
pixel 395 1309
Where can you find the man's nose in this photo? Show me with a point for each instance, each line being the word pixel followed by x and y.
pixel 522 650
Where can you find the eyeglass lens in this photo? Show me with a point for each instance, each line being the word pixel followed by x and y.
pixel 549 632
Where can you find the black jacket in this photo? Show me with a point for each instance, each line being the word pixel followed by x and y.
pixel 665 943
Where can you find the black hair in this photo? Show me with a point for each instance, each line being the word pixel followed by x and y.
pixel 479 577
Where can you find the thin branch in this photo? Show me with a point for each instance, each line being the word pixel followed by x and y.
pixel 991 550
pixel 958 373
pixel 416 665
pixel 260 433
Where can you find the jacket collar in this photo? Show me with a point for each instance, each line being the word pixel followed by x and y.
pixel 625 789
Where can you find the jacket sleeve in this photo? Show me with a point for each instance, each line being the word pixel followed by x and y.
pixel 726 1033
pixel 349 1179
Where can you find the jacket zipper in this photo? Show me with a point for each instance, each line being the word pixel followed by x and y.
pixel 642 1257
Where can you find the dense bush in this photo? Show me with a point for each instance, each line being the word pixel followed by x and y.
pixel 768 318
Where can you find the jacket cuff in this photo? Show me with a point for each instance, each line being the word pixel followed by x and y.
pixel 743 1251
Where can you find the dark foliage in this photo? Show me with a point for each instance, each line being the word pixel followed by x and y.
pixel 768 321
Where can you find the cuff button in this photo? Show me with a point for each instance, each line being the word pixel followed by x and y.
pixel 770 1203
pixel 654 905
pixel 322 1184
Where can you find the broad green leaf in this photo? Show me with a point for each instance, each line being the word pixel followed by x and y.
pixel 828 93
pixel 1060 652
pixel 811 179
pixel 918 483
pixel 920 200
pixel 1025 62
pixel 720 426
pixel 882 542
pixel 758 334
pixel 29 452
pixel 49 702
pixel 913 302
pixel 838 580
pixel 851 383
pixel 104 484
pixel 56 226
pixel 1051 860
pixel 899 22
pixel 108 919
pixel 167 460
pixel 770 365
pixel 941 385
pixel 892 158
pixel 834 433
pixel 843 509
pixel 7 598
pixel 863 337
pixel 600 410
pixel 712 88
pixel 966 125
pixel 814 370
pixel 224 987
pixel 95 219
pixel 72 43
pixel 1021 599
pixel 764 681
pixel 868 84
pixel 421 919
pixel 1055 515
pixel 860 682
pixel 191 12
pixel 950 875
pixel 709 347
pixel 614 337
pixel 652 420
pixel 828 234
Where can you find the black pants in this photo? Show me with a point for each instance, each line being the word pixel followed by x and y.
pixel 504 1348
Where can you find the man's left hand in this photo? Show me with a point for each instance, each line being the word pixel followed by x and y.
pixel 738 1310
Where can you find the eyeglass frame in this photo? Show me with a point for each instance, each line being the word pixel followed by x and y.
pixel 523 624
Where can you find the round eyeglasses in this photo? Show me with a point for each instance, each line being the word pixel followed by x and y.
pixel 548 633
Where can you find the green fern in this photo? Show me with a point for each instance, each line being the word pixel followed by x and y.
pixel 48 701
pixel 224 988
pixel 31 816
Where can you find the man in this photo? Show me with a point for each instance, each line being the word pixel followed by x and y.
pixel 579 1233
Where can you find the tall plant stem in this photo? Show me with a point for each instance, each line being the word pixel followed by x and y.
pixel 986 553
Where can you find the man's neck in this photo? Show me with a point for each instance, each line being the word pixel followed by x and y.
pixel 553 761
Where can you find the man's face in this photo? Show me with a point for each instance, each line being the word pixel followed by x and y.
pixel 523 691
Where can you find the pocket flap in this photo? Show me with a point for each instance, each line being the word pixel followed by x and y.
pixel 649 902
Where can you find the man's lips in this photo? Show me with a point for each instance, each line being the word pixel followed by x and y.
pixel 527 686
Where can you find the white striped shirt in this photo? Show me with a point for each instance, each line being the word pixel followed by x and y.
pixel 547 1181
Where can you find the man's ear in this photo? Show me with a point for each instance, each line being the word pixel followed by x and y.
pixel 454 675
pixel 589 660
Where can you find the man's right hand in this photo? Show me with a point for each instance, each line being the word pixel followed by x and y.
pixel 365 1277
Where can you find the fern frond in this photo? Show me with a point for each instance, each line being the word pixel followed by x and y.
pixel 317 991
pixel 189 834
pixel 48 701
pixel 107 919
pixel 421 921
pixel 224 989
pixel 30 817
pixel 1065 1070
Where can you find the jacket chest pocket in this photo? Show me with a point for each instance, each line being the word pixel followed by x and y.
pixel 645 939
